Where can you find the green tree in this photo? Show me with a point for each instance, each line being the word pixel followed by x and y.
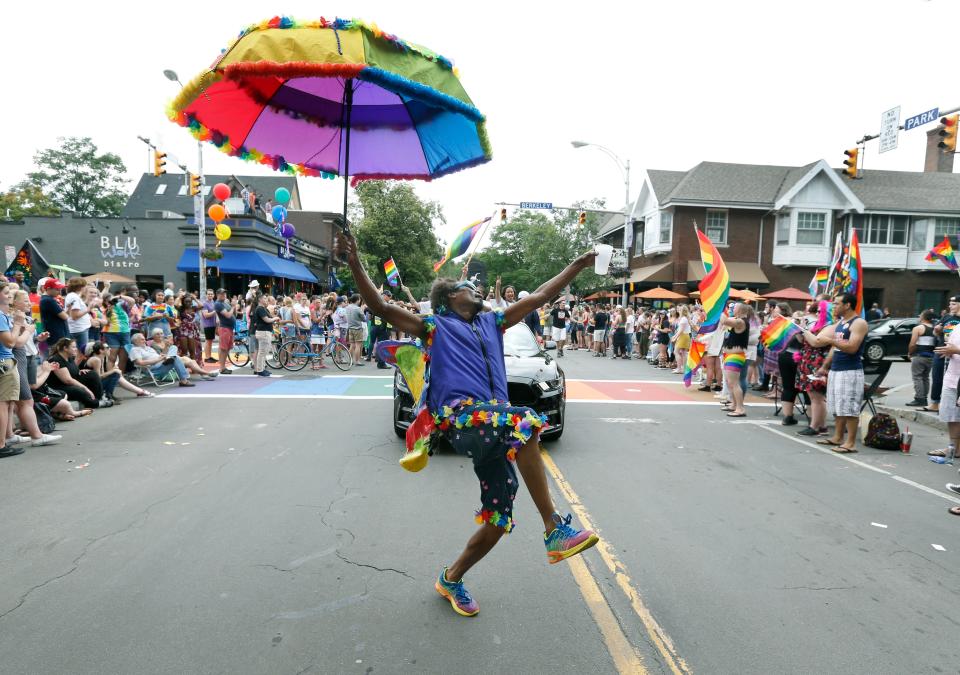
pixel 533 247
pixel 76 178
pixel 24 199
pixel 391 221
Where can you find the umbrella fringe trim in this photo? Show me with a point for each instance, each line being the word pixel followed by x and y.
pixel 421 92
pixel 356 180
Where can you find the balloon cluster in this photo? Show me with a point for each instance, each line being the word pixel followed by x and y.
pixel 218 212
pixel 279 213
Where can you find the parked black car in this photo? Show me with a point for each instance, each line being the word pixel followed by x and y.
pixel 534 379
pixel 888 338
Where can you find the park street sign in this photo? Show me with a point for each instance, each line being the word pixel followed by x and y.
pixel 889 129
pixel 921 119
pixel 536 205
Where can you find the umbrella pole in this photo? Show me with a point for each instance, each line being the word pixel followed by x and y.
pixel 348 108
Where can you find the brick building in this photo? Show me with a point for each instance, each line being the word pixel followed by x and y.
pixel 774 225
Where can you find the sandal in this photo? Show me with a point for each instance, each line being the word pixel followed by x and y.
pixel 64 418
pixel 954 510
pixel 828 441
pixel 937 453
pixel 736 414
pixel 843 450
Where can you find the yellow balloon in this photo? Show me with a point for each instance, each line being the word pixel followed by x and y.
pixel 222 232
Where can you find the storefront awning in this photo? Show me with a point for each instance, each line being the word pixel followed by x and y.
pixel 740 273
pixel 252 263
pixel 662 273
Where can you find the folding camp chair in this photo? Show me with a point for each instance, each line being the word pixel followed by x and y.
pixel 138 375
pixel 871 388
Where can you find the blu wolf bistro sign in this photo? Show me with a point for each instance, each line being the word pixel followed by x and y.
pixel 120 251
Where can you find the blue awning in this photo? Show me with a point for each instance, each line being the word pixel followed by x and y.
pixel 249 262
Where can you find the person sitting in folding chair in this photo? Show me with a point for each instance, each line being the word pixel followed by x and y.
pixel 147 357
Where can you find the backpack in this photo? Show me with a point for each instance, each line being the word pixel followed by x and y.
pixel 883 433
pixel 45 420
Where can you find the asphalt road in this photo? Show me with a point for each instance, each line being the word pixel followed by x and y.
pixel 277 534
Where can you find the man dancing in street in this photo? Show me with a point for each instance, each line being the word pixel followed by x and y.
pixel 467 397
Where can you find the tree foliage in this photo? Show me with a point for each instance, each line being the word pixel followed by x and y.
pixel 24 199
pixel 75 177
pixel 533 247
pixel 391 221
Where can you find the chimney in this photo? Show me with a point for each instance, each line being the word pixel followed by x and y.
pixel 936 160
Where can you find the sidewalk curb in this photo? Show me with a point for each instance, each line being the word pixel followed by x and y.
pixel 914 416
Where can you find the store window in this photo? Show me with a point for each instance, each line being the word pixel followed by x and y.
pixel 666 227
pixel 811 229
pixel 717 226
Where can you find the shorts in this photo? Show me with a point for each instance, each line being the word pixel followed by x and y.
pixel 845 393
pixel 734 362
pixel 490 434
pixel 225 339
pixel 117 340
pixel 559 333
pixel 355 335
pixel 288 331
pixel 9 381
pixel 209 332
pixel 949 412
pixel 598 335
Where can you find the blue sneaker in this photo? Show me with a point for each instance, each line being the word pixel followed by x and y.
pixel 459 597
pixel 264 373
pixel 566 541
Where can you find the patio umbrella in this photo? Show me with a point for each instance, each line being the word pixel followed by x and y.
pixel 659 293
pixel 334 98
pixel 602 294
pixel 789 293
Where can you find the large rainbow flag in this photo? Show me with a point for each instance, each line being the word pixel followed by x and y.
pixel 944 253
pixel 776 334
pixel 461 242
pixel 714 291
pixel 855 271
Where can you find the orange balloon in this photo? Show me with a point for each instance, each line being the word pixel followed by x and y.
pixel 217 212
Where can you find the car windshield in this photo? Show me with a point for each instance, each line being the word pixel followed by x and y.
pixel 881 325
pixel 519 341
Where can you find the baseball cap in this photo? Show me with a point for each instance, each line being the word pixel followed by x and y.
pixel 53 283
pixel 522 295
pixel 253 284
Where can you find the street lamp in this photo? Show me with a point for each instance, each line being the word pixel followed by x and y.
pixel 198 214
pixel 624 167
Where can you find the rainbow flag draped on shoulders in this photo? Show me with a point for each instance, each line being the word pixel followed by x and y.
pixel 714 291
pixel 461 243
pixel 944 253
pixel 776 334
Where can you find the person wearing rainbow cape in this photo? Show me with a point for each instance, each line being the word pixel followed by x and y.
pixel 466 400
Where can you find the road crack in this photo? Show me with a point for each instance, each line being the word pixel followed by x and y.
pixel 817 588
pixel 373 567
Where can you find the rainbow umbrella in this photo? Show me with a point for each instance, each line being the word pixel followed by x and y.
pixel 334 98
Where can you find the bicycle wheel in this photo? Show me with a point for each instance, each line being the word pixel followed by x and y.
pixel 273 356
pixel 342 358
pixel 294 355
pixel 238 354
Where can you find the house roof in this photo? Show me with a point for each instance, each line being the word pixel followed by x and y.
pixel 736 184
pixel 664 182
pixel 907 191
pixel 145 198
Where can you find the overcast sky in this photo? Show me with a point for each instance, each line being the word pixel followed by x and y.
pixel 665 84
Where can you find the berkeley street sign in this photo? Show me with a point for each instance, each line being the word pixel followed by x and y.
pixel 536 205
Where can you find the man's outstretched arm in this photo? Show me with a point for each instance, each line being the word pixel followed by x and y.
pixel 548 291
pixel 400 318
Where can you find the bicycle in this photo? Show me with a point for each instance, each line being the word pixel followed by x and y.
pixel 239 354
pixel 295 353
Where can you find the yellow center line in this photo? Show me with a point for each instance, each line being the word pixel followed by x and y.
pixel 655 632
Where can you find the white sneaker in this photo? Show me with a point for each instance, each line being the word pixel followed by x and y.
pixel 46 439
pixel 13 440
pixel 953 487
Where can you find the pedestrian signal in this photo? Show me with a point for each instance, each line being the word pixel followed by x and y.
pixel 194 184
pixel 159 160
pixel 583 218
pixel 851 162
pixel 949 133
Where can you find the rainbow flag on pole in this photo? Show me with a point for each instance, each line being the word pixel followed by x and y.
pixel 776 334
pixel 944 253
pixel 714 291
pixel 461 243
pixel 819 280
pixel 393 276
pixel 855 271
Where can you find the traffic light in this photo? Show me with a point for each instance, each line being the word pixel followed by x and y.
pixel 949 133
pixel 503 216
pixel 851 162
pixel 194 184
pixel 159 160
pixel 583 218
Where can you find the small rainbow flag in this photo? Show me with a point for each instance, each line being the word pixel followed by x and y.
pixel 776 334
pixel 944 253
pixel 820 277
pixel 393 276
pixel 461 242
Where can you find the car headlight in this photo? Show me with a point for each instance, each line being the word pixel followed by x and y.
pixel 549 385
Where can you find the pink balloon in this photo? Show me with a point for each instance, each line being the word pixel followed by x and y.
pixel 221 191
